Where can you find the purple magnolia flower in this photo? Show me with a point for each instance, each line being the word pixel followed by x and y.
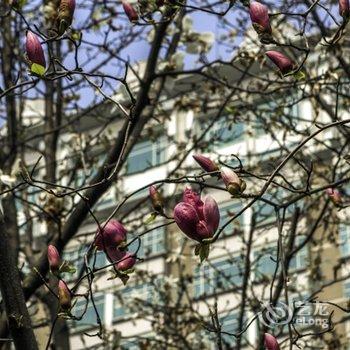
pixel 206 163
pixel 110 235
pixel 284 64
pixel 64 296
pixel 233 183
pixel 334 195
pixel 127 261
pixel 122 260
pixel 156 198
pixel 35 52
pixel 259 14
pixel 344 8
pixel 130 12
pixel 196 219
pixel 270 342
pixel 53 257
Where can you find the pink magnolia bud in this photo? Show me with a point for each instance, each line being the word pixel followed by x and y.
pixel 34 50
pixel 334 195
pixel 270 342
pixel 196 219
pixel 233 183
pixel 259 15
pixel 344 8
pixel 65 15
pixel 130 12
pixel 111 235
pixel 64 295
pixel 53 257
pixel 127 262
pixel 206 163
pixel 284 64
pixel 67 5
pixel 156 198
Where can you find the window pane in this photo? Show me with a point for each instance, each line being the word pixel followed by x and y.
pixel 125 299
pixel 217 276
pixel 281 110
pixel 224 132
pixel 152 243
pixel 227 211
pixel 140 157
pixel 146 154
pixel 265 262
pixel 76 258
pixel 344 234
pixel 89 318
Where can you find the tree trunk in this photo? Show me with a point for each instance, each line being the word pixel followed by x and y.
pixel 12 293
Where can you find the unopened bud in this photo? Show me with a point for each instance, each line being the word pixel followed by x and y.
pixel 65 15
pixel 130 12
pixel 334 195
pixel 156 198
pixel 127 262
pixel 270 342
pixel 259 15
pixel 344 8
pixel 233 183
pixel 54 258
pixel 284 64
pixel 206 163
pixel 35 52
pixel 64 295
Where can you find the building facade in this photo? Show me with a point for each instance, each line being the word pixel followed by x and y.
pixel 131 314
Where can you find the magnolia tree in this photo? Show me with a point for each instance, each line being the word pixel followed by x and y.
pixel 231 64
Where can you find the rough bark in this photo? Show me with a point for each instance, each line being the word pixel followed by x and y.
pixel 12 293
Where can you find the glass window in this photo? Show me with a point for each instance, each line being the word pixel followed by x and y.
pixel 130 345
pixel 281 110
pixel 123 306
pixel 299 261
pixel 106 201
pixel 217 276
pixel 230 325
pixel 152 243
pixel 227 211
pixel 142 341
pixel 266 213
pixel 224 132
pixel 140 194
pixel 265 260
pixel 80 178
pixel 89 318
pixel 344 235
pixel 146 154
pixel 76 258
pixel 347 289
